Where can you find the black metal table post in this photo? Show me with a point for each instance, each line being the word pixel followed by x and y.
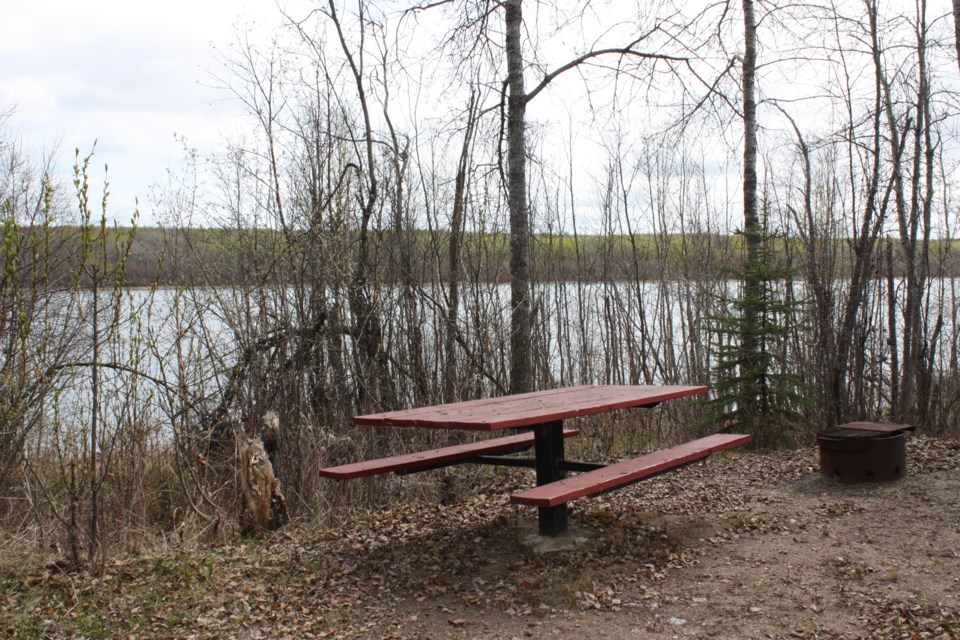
pixel 548 448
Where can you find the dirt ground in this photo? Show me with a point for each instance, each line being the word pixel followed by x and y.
pixel 759 547
pixel 743 546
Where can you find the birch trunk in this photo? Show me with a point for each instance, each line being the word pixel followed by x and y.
pixel 520 311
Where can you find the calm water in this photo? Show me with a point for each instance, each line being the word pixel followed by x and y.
pixel 613 333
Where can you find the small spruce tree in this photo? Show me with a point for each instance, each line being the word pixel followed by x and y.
pixel 756 388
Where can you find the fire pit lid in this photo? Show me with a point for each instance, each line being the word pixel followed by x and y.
pixel 856 436
pixel 877 427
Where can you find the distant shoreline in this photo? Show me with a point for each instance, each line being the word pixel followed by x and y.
pixel 198 257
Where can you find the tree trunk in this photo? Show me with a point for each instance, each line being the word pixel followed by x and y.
pixel 450 387
pixel 520 308
pixel 94 422
pixel 956 28
pixel 874 213
pixel 751 222
pixel 915 240
pixel 374 387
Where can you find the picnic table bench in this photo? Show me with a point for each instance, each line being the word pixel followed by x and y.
pixel 541 413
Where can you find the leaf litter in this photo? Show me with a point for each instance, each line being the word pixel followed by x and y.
pixel 742 546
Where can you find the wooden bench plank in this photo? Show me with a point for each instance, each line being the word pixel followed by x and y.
pixel 615 475
pixel 432 457
pixel 528 409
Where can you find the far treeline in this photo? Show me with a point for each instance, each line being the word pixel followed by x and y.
pixel 211 256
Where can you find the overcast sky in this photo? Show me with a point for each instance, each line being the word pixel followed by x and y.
pixel 130 75
pixel 133 76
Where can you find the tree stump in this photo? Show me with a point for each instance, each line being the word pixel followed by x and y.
pixel 264 506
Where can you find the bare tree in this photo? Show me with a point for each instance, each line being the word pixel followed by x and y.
pixel 751 223
pixel 513 105
pixel 455 258
pixel 956 28
pixel 521 324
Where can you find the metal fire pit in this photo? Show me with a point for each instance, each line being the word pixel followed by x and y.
pixel 864 452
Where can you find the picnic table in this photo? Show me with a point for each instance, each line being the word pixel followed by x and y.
pixel 541 414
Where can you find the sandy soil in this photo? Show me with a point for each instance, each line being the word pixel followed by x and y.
pixel 752 547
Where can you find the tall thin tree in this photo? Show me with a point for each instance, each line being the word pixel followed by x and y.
pixel 751 221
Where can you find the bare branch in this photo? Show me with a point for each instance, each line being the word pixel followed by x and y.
pixel 623 52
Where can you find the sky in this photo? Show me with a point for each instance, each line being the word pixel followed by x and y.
pixel 139 80
pixel 132 76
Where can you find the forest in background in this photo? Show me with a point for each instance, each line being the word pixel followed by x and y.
pixel 209 260
pixel 359 250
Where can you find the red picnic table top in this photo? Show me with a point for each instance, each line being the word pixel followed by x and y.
pixel 528 409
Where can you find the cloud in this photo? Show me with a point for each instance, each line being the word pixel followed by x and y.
pixel 128 74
